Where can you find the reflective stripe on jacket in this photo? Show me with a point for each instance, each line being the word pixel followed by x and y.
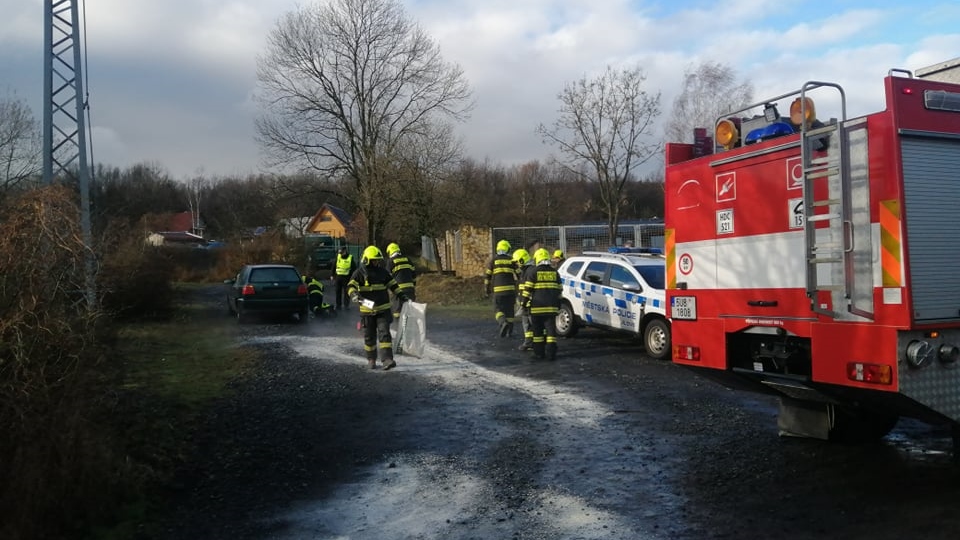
pixel 372 283
pixel 501 275
pixel 403 272
pixel 542 290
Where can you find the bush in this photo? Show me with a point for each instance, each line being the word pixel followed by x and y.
pixel 58 465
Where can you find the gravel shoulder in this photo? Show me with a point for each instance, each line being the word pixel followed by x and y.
pixel 475 440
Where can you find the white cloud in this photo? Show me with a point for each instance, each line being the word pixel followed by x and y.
pixel 171 80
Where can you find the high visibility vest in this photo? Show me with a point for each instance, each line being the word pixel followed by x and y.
pixel 344 264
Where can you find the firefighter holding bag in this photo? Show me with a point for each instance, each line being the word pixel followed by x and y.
pixel 369 287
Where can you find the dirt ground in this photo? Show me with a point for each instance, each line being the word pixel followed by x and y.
pixel 475 440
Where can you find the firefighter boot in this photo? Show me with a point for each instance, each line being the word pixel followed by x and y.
pixel 526 345
pixel 372 362
pixel 551 350
pixel 504 328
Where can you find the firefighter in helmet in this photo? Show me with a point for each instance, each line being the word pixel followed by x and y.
pixel 404 274
pixel 368 287
pixel 557 259
pixel 523 263
pixel 501 281
pixel 541 296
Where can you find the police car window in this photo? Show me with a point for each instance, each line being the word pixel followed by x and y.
pixel 620 276
pixel 653 274
pixel 595 272
pixel 574 268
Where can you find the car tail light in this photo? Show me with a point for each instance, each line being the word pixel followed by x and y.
pixel 686 352
pixel 302 289
pixel 870 373
pixel 248 290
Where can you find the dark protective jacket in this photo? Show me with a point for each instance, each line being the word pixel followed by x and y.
pixel 522 275
pixel 501 277
pixel 373 283
pixel 314 286
pixel 403 272
pixel 542 290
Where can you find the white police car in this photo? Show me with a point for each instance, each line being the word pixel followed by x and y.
pixel 617 290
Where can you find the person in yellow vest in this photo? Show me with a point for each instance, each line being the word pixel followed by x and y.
pixel 370 286
pixel 344 268
pixel 541 296
pixel 500 280
pixel 404 274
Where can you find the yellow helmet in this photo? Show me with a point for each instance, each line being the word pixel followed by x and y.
pixel 503 246
pixel 392 248
pixel 372 253
pixel 521 257
pixel 558 254
pixel 541 255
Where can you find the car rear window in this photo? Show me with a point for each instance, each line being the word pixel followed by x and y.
pixel 273 275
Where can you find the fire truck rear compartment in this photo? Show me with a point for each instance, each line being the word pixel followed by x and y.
pixel 776 353
pixel 780 364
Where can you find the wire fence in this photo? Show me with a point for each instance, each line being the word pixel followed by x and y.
pixel 575 239
pixel 467 251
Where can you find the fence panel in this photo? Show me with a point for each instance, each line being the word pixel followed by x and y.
pixel 575 239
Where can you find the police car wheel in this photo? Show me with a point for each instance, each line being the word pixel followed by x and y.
pixel 656 339
pixel 566 321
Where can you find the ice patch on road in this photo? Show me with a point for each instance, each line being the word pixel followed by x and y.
pixel 425 496
pixel 428 497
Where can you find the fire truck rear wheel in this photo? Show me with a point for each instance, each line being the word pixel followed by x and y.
pixel 567 325
pixel 857 426
pixel 656 339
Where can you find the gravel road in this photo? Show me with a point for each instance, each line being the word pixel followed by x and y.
pixel 475 440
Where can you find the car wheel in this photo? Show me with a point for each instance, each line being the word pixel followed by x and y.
pixel 656 339
pixel 566 321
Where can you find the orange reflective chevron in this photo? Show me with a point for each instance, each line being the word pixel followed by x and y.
pixel 890 250
pixel 670 247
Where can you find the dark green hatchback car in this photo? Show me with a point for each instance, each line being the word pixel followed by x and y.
pixel 267 289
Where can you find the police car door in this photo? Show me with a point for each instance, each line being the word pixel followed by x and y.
pixel 622 297
pixel 596 308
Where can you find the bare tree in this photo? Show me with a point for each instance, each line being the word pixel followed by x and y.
pixel 709 90
pixel 344 85
pixel 20 143
pixel 604 132
pixel 196 187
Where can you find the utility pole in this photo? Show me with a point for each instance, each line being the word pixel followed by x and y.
pixel 64 130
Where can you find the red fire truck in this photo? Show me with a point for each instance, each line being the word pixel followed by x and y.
pixel 818 260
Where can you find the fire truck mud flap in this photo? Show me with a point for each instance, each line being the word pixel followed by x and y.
pixel 833 422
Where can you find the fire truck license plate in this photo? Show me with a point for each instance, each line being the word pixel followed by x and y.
pixel 683 308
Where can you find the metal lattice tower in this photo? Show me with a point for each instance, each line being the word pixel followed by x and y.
pixel 64 138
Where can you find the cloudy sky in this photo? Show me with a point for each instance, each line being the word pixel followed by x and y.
pixel 171 81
